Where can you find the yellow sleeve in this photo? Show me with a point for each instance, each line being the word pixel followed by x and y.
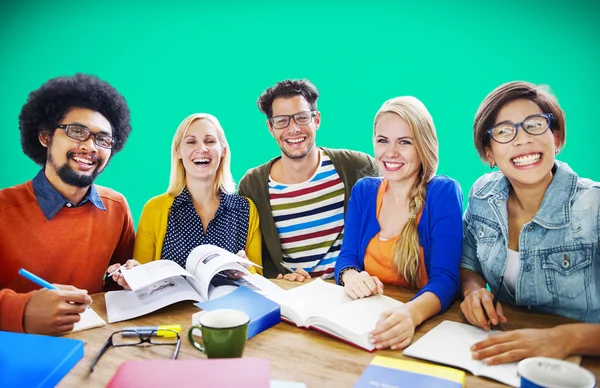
pixel 144 249
pixel 254 239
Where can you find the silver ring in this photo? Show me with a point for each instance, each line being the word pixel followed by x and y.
pixel 235 273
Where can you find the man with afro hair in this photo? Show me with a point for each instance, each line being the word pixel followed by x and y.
pixel 59 225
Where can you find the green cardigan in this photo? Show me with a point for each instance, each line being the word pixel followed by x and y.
pixel 350 166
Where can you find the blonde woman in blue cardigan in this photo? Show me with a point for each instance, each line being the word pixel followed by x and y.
pixel 403 229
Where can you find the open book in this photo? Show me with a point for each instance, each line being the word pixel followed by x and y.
pixel 450 342
pixel 163 282
pixel 326 307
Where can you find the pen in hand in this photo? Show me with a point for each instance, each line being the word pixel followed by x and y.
pixel 495 300
pixel 38 280
pixel 287 267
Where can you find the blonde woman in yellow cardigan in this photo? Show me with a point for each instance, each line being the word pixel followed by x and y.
pixel 199 206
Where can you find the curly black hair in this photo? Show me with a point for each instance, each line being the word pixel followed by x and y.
pixel 46 106
pixel 287 89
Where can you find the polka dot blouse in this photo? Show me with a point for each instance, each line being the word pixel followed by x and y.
pixel 228 229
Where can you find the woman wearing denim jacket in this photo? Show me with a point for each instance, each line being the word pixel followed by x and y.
pixel 531 231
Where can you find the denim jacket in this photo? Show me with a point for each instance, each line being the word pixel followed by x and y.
pixel 559 248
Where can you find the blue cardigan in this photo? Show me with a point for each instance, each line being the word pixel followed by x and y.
pixel 440 233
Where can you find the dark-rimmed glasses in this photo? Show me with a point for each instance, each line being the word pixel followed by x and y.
pixel 82 133
pixel 505 132
pixel 134 338
pixel 300 118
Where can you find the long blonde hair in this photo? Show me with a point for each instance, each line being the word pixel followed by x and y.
pixel 415 114
pixel 223 181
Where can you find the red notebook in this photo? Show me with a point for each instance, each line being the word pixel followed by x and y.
pixel 206 373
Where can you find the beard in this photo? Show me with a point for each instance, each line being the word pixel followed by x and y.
pixel 298 154
pixel 72 177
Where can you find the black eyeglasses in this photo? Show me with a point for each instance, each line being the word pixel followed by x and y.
pixel 505 132
pixel 300 118
pixel 134 338
pixel 81 133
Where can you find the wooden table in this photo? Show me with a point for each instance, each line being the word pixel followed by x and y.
pixel 294 354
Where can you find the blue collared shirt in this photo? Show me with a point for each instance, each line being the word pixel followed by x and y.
pixel 559 264
pixel 51 201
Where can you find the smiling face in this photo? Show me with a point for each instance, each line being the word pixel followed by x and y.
pixel 201 151
pixel 395 151
pixel 295 141
pixel 528 159
pixel 76 163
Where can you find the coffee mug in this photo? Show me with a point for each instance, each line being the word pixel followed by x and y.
pixel 543 372
pixel 223 333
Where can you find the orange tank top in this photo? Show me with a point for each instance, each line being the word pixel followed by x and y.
pixel 379 253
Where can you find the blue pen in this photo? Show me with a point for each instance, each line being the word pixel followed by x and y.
pixel 38 280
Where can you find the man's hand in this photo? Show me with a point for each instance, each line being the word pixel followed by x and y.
pixel 54 312
pixel 299 275
pixel 517 345
pixel 360 284
pixel 118 277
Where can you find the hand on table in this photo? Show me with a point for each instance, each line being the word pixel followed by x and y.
pixel 479 310
pixel 54 312
pixel 516 345
pixel 360 284
pixel 299 275
pixel 395 329
pixel 118 277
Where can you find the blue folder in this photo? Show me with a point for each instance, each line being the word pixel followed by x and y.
pixel 263 312
pixel 30 360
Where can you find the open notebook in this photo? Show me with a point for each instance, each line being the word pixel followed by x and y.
pixel 326 307
pixel 450 342
pixel 89 320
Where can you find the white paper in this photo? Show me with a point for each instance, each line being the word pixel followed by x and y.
pixel 450 342
pixel 123 305
pixel 89 320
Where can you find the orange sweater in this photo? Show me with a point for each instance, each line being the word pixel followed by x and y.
pixel 75 247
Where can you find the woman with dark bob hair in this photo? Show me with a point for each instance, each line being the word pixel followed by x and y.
pixel 531 231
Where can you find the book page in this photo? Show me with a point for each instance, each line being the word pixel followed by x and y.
pixel 149 273
pixel 355 319
pixel 299 303
pixel 205 261
pixel 450 342
pixel 123 305
pixel 253 281
pixel 89 320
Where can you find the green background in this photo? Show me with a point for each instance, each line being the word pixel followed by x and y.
pixel 174 58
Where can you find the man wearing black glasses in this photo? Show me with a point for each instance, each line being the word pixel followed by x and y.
pixel 61 226
pixel 301 196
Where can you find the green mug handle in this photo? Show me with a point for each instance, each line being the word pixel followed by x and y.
pixel 197 345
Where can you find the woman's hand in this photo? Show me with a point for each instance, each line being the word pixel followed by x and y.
pixel 118 277
pixel 512 346
pixel 479 310
pixel 395 329
pixel 360 284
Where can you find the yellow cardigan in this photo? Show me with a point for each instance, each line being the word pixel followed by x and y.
pixel 152 229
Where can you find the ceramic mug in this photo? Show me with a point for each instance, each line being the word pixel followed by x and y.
pixel 223 333
pixel 543 372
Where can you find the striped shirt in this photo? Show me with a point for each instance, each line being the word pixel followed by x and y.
pixel 309 218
